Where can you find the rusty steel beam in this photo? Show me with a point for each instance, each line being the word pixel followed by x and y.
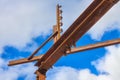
pixel 35 52
pixel 59 18
pixel 54 30
pixel 25 60
pixel 84 22
pixel 93 46
pixel 72 50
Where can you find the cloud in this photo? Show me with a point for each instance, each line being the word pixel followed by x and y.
pixel 64 73
pixel 13 73
pixel 68 73
pixel 108 68
pixel 110 63
pixel 21 21
pixel 110 21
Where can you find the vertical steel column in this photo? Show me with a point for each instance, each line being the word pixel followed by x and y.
pixel 40 76
pixel 55 30
pixel 58 18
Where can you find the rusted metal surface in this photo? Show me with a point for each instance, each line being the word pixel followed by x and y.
pixel 52 36
pixel 54 30
pixel 59 18
pixel 84 22
pixel 73 50
pixel 40 76
pixel 25 60
pixel 94 46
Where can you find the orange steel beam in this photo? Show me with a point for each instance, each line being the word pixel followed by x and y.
pixel 93 46
pixel 72 50
pixel 58 16
pixel 84 22
pixel 35 52
pixel 54 30
pixel 25 60
pixel 59 23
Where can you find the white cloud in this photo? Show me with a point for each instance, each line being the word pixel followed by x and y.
pixel 110 21
pixel 20 21
pixel 108 67
pixel 13 73
pixel 1 62
pixel 111 63
pixel 64 73
pixel 68 73
pixel 86 75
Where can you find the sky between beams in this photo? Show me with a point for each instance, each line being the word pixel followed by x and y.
pixel 25 24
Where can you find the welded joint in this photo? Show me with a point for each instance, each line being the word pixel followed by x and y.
pixel 42 71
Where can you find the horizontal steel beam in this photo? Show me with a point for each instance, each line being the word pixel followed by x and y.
pixel 25 60
pixel 94 46
pixel 73 50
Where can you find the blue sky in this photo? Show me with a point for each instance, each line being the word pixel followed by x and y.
pixel 25 24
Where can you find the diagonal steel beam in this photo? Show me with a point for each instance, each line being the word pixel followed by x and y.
pixel 35 52
pixel 84 22
pixel 73 50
